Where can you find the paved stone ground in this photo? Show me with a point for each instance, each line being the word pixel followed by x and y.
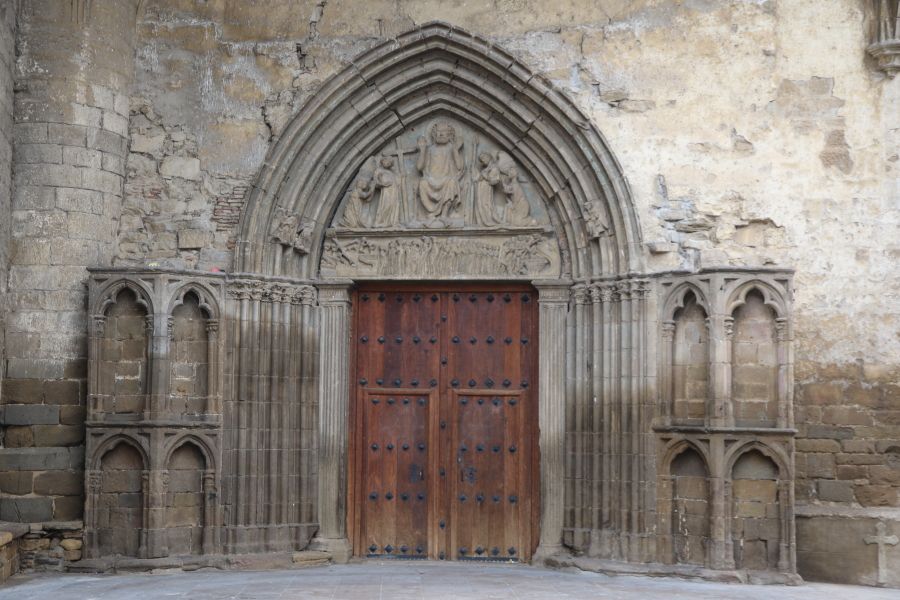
pixel 405 581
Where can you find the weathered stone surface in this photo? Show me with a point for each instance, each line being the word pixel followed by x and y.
pixel 56 483
pixel 18 483
pixel 26 510
pixel 176 166
pixel 29 414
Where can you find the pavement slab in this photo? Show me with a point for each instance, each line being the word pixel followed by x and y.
pixel 406 581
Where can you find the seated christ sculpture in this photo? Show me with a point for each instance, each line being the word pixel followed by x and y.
pixel 441 165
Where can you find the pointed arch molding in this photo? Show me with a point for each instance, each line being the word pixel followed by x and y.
pixel 441 69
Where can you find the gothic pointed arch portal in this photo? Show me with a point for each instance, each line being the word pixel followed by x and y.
pixel 437 155
pixel 397 92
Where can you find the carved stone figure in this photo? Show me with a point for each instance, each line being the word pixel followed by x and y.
pixel 594 219
pixel 355 211
pixel 441 165
pixel 389 199
pixel 485 184
pixel 525 254
pixel 291 232
pixel 284 233
pixel 516 212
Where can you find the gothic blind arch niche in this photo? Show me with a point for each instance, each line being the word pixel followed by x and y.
pixel 408 84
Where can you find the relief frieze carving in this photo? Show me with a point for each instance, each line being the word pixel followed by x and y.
pixel 441 200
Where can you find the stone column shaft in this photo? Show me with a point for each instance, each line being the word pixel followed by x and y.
pixel 554 304
pixel 334 408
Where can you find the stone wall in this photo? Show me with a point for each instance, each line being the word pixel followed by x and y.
pixel 71 121
pixel 7 65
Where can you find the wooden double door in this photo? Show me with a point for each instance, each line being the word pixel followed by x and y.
pixel 444 448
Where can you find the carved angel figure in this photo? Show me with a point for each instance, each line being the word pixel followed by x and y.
pixel 485 182
pixel 441 165
pixel 386 181
pixel 516 212
pixel 355 210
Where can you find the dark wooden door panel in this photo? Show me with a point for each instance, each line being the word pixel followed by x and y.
pixel 444 453
pixel 396 464
pixel 490 493
pixel 490 361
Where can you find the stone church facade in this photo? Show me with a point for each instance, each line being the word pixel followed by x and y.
pixel 603 284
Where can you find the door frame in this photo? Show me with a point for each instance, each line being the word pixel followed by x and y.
pixel 333 445
pixel 355 460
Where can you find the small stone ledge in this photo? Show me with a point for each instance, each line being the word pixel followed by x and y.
pixel 10 534
pixel 253 562
pixel 612 567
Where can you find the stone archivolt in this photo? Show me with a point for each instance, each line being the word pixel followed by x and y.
pixel 438 156
pixel 522 142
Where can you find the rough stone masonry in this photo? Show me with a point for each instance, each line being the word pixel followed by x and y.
pixel 726 392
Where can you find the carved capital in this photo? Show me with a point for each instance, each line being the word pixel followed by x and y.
pixel 729 328
pixel 170 326
pixel 259 291
pixel 164 480
pixel 580 294
pixel 239 290
pixel 640 289
pixel 623 290
pixel 280 293
pixel 334 293
pixel 148 324
pixel 606 292
pixel 212 327
pixel 305 295
pixel 553 291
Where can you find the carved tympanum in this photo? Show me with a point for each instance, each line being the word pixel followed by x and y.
pixel 441 175
pixel 441 200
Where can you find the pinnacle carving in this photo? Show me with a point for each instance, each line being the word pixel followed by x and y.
pixel 885 46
